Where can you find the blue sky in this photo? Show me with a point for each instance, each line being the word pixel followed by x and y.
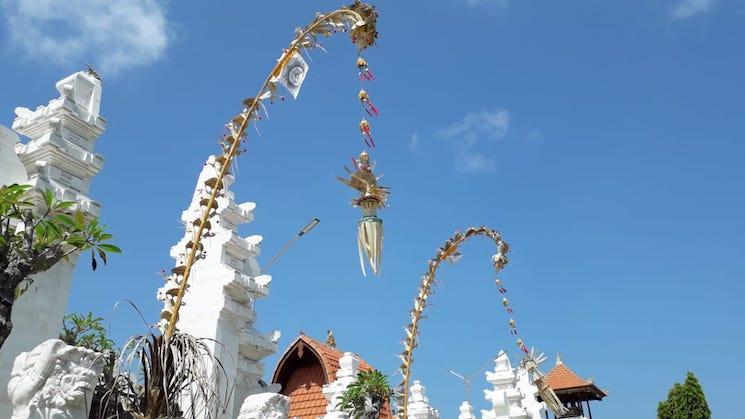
pixel 603 139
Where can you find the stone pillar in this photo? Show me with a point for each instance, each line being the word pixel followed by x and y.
pixel 505 397
pixel 466 411
pixel 419 407
pixel 223 289
pixel 348 368
pixel 58 156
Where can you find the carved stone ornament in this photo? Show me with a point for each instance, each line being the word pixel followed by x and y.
pixel 54 381
pixel 265 406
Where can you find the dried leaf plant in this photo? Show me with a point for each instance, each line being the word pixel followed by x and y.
pixel 449 253
pixel 155 378
pixel 360 21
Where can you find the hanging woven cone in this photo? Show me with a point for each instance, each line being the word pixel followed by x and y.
pixel 370 227
pixel 370 235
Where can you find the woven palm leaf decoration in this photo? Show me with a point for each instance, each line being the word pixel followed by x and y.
pixel 372 197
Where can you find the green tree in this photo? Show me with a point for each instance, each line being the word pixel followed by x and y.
pixel 35 236
pixel 86 331
pixel 366 396
pixel 685 401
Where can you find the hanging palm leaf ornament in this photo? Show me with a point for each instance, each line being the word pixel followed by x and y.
pixel 372 197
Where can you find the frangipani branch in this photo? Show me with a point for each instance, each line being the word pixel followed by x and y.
pixel 359 20
pixel 449 253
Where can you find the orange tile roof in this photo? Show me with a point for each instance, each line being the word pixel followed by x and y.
pixel 304 383
pixel 562 378
pixel 331 357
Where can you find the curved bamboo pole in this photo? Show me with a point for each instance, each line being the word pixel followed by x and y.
pixel 448 253
pixel 363 33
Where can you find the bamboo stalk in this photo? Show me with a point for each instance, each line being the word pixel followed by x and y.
pixel 449 251
pixel 253 107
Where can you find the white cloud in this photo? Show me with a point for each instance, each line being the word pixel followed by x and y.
pixel 474 132
pixel 112 35
pixel 472 162
pixel 474 125
pixel 689 8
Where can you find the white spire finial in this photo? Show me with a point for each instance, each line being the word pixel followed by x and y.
pixel 559 361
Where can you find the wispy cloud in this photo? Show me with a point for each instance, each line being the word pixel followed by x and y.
pixel 688 8
pixel 474 161
pixel 474 125
pixel 474 132
pixel 113 35
pixel 414 141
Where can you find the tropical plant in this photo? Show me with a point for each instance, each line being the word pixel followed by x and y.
pixel 36 232
pixel 685 401
pixel 366 396
pixel 86 331
pixel 162 378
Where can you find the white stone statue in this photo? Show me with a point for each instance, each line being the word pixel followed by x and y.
pixel 265 406
pixel 54 381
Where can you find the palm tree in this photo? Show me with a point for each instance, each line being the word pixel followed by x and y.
pixel 366 396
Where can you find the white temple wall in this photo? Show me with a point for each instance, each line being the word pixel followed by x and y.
pixel 223 287
pixel 512 396
pixel 58 156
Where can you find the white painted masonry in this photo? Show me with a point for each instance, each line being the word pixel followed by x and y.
pixel 58 156
pixel 223 288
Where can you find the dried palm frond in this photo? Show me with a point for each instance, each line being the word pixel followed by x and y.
pixel 175 378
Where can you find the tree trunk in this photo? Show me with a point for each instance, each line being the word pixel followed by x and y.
pixel 7 297
pixel 12 275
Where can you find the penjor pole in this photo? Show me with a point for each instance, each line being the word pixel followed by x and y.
pixel 360 20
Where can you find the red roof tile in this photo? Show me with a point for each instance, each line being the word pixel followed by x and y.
pixel 562 379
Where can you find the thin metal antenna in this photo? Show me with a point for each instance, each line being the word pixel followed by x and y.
pixel 466 383
pixel 308 227
pixel 467 378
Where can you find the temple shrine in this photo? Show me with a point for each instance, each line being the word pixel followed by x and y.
pixel 574 392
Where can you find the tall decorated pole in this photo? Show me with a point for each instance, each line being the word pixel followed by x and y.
pixel 449 253
pixel 359 20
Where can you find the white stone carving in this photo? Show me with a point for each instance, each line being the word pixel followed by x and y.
pixel 349 366
pixel 513 396
pixel 54 381
pixel 466 411
pixel 223 288
pixel 265 406
pixel 60 156
pixel 419 407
